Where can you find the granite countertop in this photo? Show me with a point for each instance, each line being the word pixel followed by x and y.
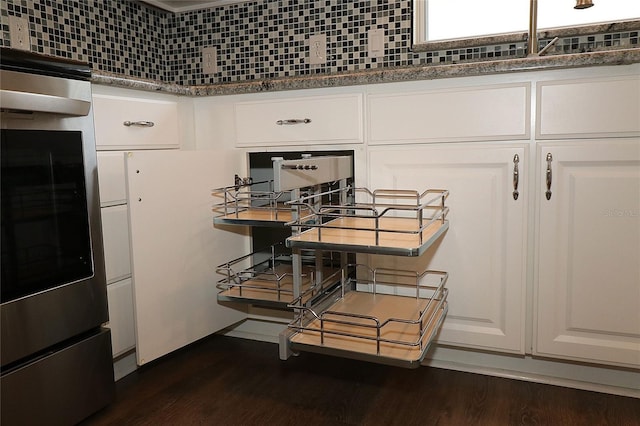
pixel 383 75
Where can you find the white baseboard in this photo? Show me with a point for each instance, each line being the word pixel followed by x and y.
pixel 591 377
pixel 124 366
pixel 616 381
pixel 255 329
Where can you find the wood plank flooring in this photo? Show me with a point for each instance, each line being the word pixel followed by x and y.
pixel 226 381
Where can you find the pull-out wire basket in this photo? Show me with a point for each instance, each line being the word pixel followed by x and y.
pixel 266 278
pixel 383 316
pixel 253 204
pixel 384 221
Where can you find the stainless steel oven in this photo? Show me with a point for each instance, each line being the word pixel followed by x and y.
pixel 55 352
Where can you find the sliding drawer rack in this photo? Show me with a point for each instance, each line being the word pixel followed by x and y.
pixel 273 277
pixel 381 315
pixel 268 202
pixel 265 277
pixel 384 221
pixel 245 204
pixel 340 308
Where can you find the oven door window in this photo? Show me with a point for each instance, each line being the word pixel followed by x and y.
pixel 45 222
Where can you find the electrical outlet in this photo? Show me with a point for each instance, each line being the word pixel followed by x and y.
pixel 375 42
pixel 318 49
pixel 19 33
pixel 209 60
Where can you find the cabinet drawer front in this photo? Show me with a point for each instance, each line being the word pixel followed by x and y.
pixel 597 107
pixel 480 113
pixel 332 119
pixel 120 298
pixel 111 178
pixel 111 112
pixel 115 234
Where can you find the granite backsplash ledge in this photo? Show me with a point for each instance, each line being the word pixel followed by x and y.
pixel 256 41
pixel 385 75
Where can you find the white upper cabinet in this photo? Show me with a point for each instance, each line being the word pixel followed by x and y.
pixel 582 108
pixel 495 112
pixel 332 119
pixel 484 250
pixel 124 122
pixel 588 273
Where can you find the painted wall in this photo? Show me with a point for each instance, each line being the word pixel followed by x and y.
pixel 261 39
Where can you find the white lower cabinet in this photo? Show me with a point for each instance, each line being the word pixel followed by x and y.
pixel 123 336
pixel 484 250
pixel 588 252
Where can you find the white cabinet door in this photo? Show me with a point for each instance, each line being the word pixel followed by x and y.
pixel 175 248
pixel 484 249
pixel 588 276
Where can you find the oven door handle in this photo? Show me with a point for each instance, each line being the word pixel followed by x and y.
pixel 42 93
pixel 23 101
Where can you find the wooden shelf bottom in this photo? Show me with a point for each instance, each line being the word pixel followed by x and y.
pixel 362 339
pixel 268 289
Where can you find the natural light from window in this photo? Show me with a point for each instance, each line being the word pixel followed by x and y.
pixel 453 19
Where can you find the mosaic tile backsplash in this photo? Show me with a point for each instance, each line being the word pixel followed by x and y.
pixel 256 40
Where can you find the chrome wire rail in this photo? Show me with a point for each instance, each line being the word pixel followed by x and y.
pixel 269 271
pixel 423 208
pixel 309 319
pixel 243 197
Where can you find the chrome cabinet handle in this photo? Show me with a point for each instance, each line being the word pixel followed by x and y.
pixel 516 176
pixel 549 159
pixel 139 123
pixel 292 121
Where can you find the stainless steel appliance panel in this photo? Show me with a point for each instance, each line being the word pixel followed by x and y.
pixel 61 313
pixel 62 387
pixel 56 359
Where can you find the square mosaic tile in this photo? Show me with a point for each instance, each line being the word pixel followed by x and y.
pixel 261 39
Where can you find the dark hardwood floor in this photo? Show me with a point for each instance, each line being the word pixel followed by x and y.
pixel 226 381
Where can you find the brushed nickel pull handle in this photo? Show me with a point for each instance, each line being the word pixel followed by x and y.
pixel 516 176
pixel 292 121
pixel 549 159
pixel 139 123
